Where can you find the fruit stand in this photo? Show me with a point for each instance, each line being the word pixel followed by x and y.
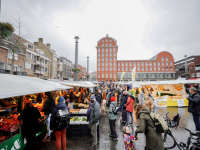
pixel 12 97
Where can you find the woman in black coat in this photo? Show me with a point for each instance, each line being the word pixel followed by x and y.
pixel 30 116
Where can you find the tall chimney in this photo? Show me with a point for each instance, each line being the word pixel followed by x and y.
pixel 40 40
pixel 49 45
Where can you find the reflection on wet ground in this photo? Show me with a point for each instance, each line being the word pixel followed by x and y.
pixel 106 143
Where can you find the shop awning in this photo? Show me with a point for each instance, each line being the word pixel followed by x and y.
pixel 77 83
pixel 13 85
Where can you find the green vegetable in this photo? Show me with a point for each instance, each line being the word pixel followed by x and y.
pixel 77 119
pixel 84 119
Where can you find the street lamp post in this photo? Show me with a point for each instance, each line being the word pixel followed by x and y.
pixel 76 59
pixel 87 68
pixel 186 69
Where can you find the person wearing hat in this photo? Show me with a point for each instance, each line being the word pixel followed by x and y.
pixel 112 118
pixel 110 94
pixel 93 115
pixel 60 133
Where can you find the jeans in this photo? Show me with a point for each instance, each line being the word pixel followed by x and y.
pixel 61 138
pixel 128 116
pixel 113 129
pixel 94 134
pixel 71 105
pixel 117 98
pixel 48 124
pixel 196 118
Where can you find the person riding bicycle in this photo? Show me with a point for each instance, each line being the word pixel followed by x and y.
pixel 154 140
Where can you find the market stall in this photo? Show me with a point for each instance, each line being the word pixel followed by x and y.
pixel 13 88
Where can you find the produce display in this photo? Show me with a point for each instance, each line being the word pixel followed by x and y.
pixel 2 137
pixel 83 105
pixel 78 120
pixel 84 119
pixel 10 126
pixel 8 102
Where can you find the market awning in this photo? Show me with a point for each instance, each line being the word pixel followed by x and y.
pixel 13 85
pixel 77 83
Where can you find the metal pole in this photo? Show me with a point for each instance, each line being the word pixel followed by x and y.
pixel 186 69
pixel 87 68
pixel 76 59
pixel 21 108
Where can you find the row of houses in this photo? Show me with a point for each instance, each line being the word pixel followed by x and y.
pixel 32 59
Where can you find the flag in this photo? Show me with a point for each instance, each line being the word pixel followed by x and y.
pixel 122 75
pixel 133 73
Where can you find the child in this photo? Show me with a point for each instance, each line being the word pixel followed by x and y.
pixel 129 139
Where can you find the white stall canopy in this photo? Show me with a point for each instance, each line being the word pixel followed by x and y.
pixel 77 83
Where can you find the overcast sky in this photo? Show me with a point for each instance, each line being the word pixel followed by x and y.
pixel 142 28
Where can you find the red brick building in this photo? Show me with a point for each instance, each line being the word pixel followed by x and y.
pixel 82 74
pixel 109 69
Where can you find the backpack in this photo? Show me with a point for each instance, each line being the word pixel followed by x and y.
pixel 62 118
pixel 159 123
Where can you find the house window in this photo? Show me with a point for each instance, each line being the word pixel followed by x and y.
pixel 28 65
pixel 2 65
pixel 126 68
pixel 126 64
pixel 106 44
pixel 114 68
pixel 99 50
pixel 146 63
pixel 110 40
pixel 102 44
pixel 110 49
pixel 106 75
pixel 106 63
pixel 163 64
pixel 171 68
pixel 102 63
pixel 102 40
pixel 170 63
pixel 114 59
pixel 118 68
pixel 142 68
pixel 102 49
pixel 106 49
pixel 166 58
pixel 106 58
pixel 114 63
pixel 150 68
pixel 106 54
pixel 46 62
pixel 98 75
pixel 110 44
pixel 102 68
pixel 106 40
pixel 163 68
pixel 102 59
pixel 28 55
pixel 114 54
pixel 158 68
pixel 134 64
pixel 114 75
pixel 30 46
pixel 118 64
pixel 142 63
pixel 130 68
pixel 19 68
pixel 138 68
pixel 102 75
pixel 130 63
pixel 110 68
pixel 162 58
pixel 110 63
pixel 106 68
pixel 110 54
pixel 8 67
pixel 167 68
pixel 158 63
pixel 98 54
pixel 114 49
pixel 98 68
pixel 154 68
pixel 166 63
pixel 110 75
pixel 122 64
pixel 46 69
pixel 110 58
pixel 102 54
pixel 154 63
pixel 138 63
pixel 122 68
pixel 146 68
pixel 150 63
pixel 98 59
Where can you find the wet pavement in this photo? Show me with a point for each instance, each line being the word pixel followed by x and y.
pixel 106 143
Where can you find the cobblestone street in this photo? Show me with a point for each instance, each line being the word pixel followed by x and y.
pixel 105 143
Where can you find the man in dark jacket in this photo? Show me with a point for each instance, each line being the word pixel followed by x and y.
pixel 125 98
pixel 98 98
pixel 48 108
pixel 93 115
pixel 60 133
pixel 194 106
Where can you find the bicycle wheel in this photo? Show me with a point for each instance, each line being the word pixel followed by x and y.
pixel 169 141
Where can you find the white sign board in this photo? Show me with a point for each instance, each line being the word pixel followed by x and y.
pixel 180 103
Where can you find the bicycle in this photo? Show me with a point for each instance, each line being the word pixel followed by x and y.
pixel 170 141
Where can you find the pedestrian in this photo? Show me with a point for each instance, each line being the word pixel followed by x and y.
pixel 112 118
pixel 71 98
pixel 149 102
pixel 77 94
pixel 109 97
pixel 93 115
pixel 194 106
pixel 48 107
pixel 129 139
pixel 57 125
pixel 141 96
pixel 137 95
pixel 104 95
pixel 129 108
pixel 154 140
pixel 98 97
pixel 30 116
pixel 118 93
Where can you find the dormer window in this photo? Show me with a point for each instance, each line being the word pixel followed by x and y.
pixel 30 46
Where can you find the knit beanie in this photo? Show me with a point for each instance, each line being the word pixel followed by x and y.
pixel 61 99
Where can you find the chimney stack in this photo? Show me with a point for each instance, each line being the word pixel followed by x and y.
pixel 40 40
pixel 49 45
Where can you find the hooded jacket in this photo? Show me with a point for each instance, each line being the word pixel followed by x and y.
pixel 48 106
pixel 95 114
pixel 60 105
pixel 194 103
pixel 154 140
pixel 98 98
pixel 112 109
pixel 130 104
